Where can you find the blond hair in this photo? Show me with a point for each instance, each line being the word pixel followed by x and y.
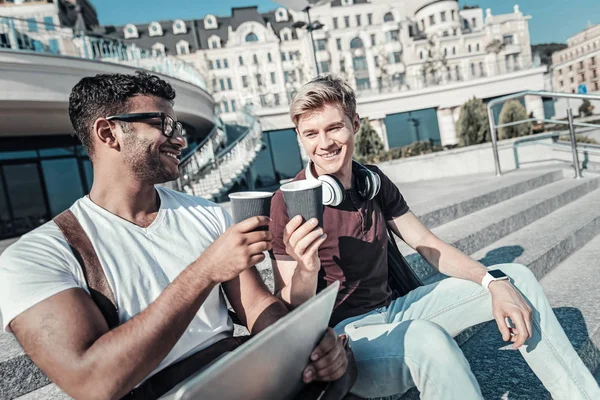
pixel 320 91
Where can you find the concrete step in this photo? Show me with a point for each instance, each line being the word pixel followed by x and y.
pixel 482 228
pixel 49 392
pixel 488 191
pixel 574 298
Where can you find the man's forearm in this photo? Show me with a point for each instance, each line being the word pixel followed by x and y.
pixel 124 356
pixel 302 288
pixel 450 261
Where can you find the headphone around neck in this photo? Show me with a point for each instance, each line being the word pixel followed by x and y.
pixel 366 181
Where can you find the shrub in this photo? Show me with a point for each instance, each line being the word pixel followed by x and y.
pixel 513 111
pixel 473 125
pixel 586 109
pixel 367 143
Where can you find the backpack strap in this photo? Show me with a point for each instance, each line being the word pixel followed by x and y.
pixel 85 254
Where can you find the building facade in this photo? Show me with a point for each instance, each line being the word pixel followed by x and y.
pixel 578 66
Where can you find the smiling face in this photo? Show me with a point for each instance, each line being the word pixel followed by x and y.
pixel 149 155
pixel 327 135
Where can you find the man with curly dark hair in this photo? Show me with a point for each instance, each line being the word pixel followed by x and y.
pixel 165 256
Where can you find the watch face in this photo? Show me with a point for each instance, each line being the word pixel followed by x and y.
pixel 496 273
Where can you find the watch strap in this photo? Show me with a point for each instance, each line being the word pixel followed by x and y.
pixel 488 278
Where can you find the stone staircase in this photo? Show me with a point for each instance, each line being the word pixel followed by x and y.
pixel 538 217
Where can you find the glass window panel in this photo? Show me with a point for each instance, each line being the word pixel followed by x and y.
pixel 63 183
pixel 5 220
pixel 406 128
pixel 27 199
pixel 14 155
pixel 286 153
pixel 57 151
pixel 89 173
pixel 261 171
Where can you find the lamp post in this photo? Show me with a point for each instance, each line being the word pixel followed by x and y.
pixel 310 27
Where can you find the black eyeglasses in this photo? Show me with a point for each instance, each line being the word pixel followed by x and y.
pixel 168 125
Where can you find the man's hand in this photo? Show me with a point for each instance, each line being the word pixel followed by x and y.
pixel 328 359
pixel 507 302
pixel 302 242
pixel 238 249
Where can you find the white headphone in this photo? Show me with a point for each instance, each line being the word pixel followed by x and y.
pixel 367 184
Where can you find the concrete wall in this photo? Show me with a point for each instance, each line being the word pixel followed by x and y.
pixel 35 88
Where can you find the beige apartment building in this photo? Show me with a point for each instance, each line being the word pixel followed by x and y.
pixel 579 63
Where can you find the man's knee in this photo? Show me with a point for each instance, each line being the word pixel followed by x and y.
pixel 431 340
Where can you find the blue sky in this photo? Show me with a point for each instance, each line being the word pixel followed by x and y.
pixel 553 20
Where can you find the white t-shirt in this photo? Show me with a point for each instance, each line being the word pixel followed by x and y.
pixel 139 263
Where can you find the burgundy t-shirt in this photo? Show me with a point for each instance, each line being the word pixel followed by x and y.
pixel 355 251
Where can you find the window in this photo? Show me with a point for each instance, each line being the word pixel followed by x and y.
pixel 211 65
pixel 465 24
pixel 453 15
pixel 570 68
pixel 286 37
pixel 241 60
pixel 225 63
pixel 593 61
pixel 276 99
pixel 291 55
pixel 218 64
pixel 269 58
pixel 357 43
pixel 179 27
pixel 244 81
pixel 49 23
pixel 54 49
pixel 396 57
pixel 258 80
pixel 251 37
pixel 32 25
pixel 445 51
pixel 222 84
pixel 321 44
pixel 453 50
pixel 233 106
pixel 561 83
pixel 477 47
pixel 432 19
pixel 358 20
pixel 338 44
pixel 373 40
pixel 581 78
pixel 255 59
pixel 347 22
pixel 226 106
pixel 473 22
pixel 342 65
pixel 287 76
pixel 508 40
pixel 183 47
pixel 420 55
pixel 369 19
pixel 376 60
pixel 324 67
pixel 472 69
pixel 214 85
pixel 457 73
pixel 445 33
pixel 469 48
pixel 273 78
pixel 335 23
pixel 481 71
pixel 596 85
pixel 580 64
pixel 560 71
pixel 392 36
pixel 572 80
pixel 388 17
pixel 214 43
pixel 594 73
pixel 443 16
pixel 229 86
pixel 155 29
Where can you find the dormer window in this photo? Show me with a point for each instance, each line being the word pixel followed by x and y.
pixel 251 37
pixel 155 29
pixel 130 31
pixel 158 50
pixel 179 27
pixel 281 15
pixel 214 42
pixel 183 47
pixel 210 22
pixel 286 34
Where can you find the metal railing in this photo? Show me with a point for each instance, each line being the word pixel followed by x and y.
pixel 206 172
pixel 494 127
pixel 22 35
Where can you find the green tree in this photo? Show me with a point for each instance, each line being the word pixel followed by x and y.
pixel 367 144
pixel 473 126
pixel 513 111
pixel 586 109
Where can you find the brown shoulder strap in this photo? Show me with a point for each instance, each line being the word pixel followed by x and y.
pixel 94 275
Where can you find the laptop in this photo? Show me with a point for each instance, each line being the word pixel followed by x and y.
pixel 270 365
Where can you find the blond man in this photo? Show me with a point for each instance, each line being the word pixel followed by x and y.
pixel 404 342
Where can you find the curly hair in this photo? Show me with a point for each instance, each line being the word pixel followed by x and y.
pixel 108 94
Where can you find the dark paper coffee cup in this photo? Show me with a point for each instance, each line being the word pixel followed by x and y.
pixel 304 198
pixel 250 204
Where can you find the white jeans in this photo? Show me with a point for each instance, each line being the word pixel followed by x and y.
pixel 409 343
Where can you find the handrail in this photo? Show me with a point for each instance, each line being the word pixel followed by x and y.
pixel 541 136
pixel 494 126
